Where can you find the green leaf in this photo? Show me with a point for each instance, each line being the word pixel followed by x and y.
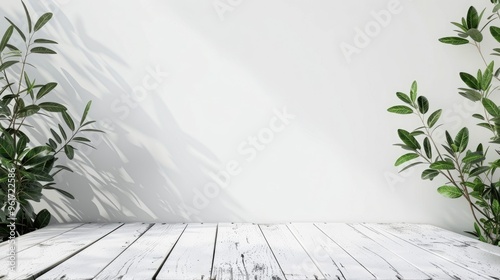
pixel 478 116
pixel 433 118
pixel 417 132
pixel 442 165
pixel 42 219
pixel 70 151
pixel 408 139
pixel 469 80
pixel 487 126
pixel 85 112
pixel 400 109
pixel 404 97
pixel 475 157
pixel 69 121
pixel 52 107
pixel 427 147
pixel 429 174
pixel 56 136
pixel 28 17
pixel 63 192
pixel 63 168
pixel 454 40
pixel 406 157
pixel 92 130
pixel 21 144
pixel 39 151
pixel 44 90
pixel 42 50
pixel 28 111
pixel 81 139
pixel 7 64
pixel 423 104
pixel 44 41
pixel 495 32
pixel 450 191
pixel 472 18
pixel 491 107
pixel 17 29
pixel 6 149
pixel 413 91
pixel 462 139
pixel 471 94
pixel 6 38
pixel 42 21
pixel 410 166
pixel 495 207
pixel 488 75
pixel 62 132
pixel 475 34
pixel 479 170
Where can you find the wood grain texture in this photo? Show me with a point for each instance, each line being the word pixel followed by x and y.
pixel 38 236
pixel 40 258
pixel 143 259
pixel 459 252
pixel 97 256
pixel 434 266
pixel 293 259
pixel 243 253
pixel 379 261
pixel 329 257
pixel 192 256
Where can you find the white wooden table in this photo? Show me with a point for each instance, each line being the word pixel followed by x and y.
pixel 249 252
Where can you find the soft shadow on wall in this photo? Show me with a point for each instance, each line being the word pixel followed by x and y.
pixel 105 188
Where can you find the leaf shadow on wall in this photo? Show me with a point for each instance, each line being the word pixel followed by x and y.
pixel 154 172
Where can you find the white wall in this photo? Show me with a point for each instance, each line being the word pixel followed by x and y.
pixel 181 88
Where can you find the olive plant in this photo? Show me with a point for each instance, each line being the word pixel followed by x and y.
pixel 26 169
pixel 468 172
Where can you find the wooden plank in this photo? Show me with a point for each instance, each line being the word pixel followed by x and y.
pixel 432 265
pixel 243 253
pixel 28 240
pixel 192 256
pixel 468 241
pixel 458 252
pixel 97 256
pixel 329 257
pixel 379 261
pixel 144 257
pixel 38 259
pixel 292 258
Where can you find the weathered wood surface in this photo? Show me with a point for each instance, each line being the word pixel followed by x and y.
pixel 97 256
pixel 434 266
pixel 293 259
pixel 331 259
pixel 379 261
pixel 243 253
pixel 143 258
pixel 29 240
pixel 36 260
pixel 250 252
pixel 192 256
pixel 461 253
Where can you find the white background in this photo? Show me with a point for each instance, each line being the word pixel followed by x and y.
pixel 228 71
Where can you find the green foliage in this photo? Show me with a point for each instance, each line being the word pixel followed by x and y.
pixel 467 174
pixel 27 169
